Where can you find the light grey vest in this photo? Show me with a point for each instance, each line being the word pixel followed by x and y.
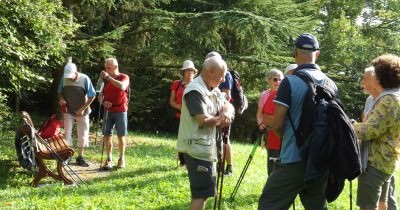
pixel 199 142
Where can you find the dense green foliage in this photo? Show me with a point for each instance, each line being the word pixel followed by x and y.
pixel 150 181
pixel 151 39
pixel 32 37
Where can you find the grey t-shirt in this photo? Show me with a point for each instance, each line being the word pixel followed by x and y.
pixel 195 103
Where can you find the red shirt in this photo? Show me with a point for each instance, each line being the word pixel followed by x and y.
pixel 273 141
pixel 178 87
pixel 118 97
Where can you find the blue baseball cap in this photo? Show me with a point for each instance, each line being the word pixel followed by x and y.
pixel 307 42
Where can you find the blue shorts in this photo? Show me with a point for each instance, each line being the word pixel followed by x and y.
pixel 117 119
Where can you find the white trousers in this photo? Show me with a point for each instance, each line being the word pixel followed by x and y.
pixel 82 128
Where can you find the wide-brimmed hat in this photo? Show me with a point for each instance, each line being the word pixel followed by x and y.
pixel 188 64
pixel 290 67
pixel 70 70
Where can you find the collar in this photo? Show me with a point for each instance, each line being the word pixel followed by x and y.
pixel 308 66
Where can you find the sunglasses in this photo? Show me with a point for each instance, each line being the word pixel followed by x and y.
pixel 276 79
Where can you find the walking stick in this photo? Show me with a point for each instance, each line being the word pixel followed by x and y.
pixel 98 123
pixel 36 137
pixel 104 137
pixel 351 196
pixel 99 89
pixel 220 170
pixel 246 166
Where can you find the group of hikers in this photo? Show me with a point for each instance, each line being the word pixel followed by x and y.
pixel 75 94
pixel 204 113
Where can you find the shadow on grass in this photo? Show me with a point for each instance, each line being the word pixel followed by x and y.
pixel 12 175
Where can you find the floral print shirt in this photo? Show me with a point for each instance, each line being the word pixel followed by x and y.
pixel 382 128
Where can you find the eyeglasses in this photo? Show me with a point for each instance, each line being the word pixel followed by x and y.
pixel 277 79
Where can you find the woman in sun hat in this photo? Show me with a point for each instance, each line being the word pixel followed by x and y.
pixel 188 72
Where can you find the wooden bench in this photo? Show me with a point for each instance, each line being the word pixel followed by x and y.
pixel 58 145
pixel 54 148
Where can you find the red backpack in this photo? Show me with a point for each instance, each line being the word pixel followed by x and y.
pixel 50 127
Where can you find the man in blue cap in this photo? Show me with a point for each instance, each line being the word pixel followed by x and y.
pixel 287 180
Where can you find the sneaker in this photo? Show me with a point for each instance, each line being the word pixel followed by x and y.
pixel 108 164
pixel 121 163
pixel 228 171
pixel 66 161
pixel 81 162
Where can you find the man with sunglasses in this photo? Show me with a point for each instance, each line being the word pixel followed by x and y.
pixel 287 179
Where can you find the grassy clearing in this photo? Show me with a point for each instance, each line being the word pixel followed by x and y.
pixel 150 181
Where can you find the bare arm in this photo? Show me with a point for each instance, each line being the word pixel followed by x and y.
pixel 61 100
pixel 119 84
pixel 228 94
pixel 279 119
pixel 259 116
pixel 223 119
pixel 268 119
pixel 172 101
pixel 81 110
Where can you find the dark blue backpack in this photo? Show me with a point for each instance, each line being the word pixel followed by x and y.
pixel 239 99
pixel 326 138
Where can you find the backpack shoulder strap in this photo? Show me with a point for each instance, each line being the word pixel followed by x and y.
pixel 178 86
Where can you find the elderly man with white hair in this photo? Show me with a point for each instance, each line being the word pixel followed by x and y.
pixel 115 101
pixel 204 107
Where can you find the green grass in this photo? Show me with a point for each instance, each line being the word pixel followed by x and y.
pixel 151 180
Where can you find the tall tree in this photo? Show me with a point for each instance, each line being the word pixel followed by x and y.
pixel 32 35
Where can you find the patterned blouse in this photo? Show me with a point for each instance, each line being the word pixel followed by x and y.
pixel 382 128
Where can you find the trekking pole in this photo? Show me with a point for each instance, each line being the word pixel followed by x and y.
pixel 35 136
pixel 104 137
pixel 63 163
pixel 99 89
pixel 98 123
pixel 351 196
pixel 246 166
pixel 220 167
pixel 225 141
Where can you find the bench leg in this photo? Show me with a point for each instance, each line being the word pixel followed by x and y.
pixel 62 176
pixel 44 171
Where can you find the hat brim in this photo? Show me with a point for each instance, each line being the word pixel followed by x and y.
pixel 69 75
pixel 184 69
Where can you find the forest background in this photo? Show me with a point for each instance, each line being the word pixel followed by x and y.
pixel 151 39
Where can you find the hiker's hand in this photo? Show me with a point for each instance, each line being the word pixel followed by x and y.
pixel 107 104
pixel 79 112
pixel 104 75
pixel 62 102
pixel 262 127
pixel 225 120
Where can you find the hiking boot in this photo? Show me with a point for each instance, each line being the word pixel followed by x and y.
pixel 81 162
pixel 108 164
pixel 228 171
pixel 121 163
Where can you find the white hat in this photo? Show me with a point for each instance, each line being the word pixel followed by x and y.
pixel 291 66
pixel 69 70
pixel 188 64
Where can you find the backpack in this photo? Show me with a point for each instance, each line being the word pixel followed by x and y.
pixel 239 99
pixel 313 110
pixel 326 138
pixel 50 127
